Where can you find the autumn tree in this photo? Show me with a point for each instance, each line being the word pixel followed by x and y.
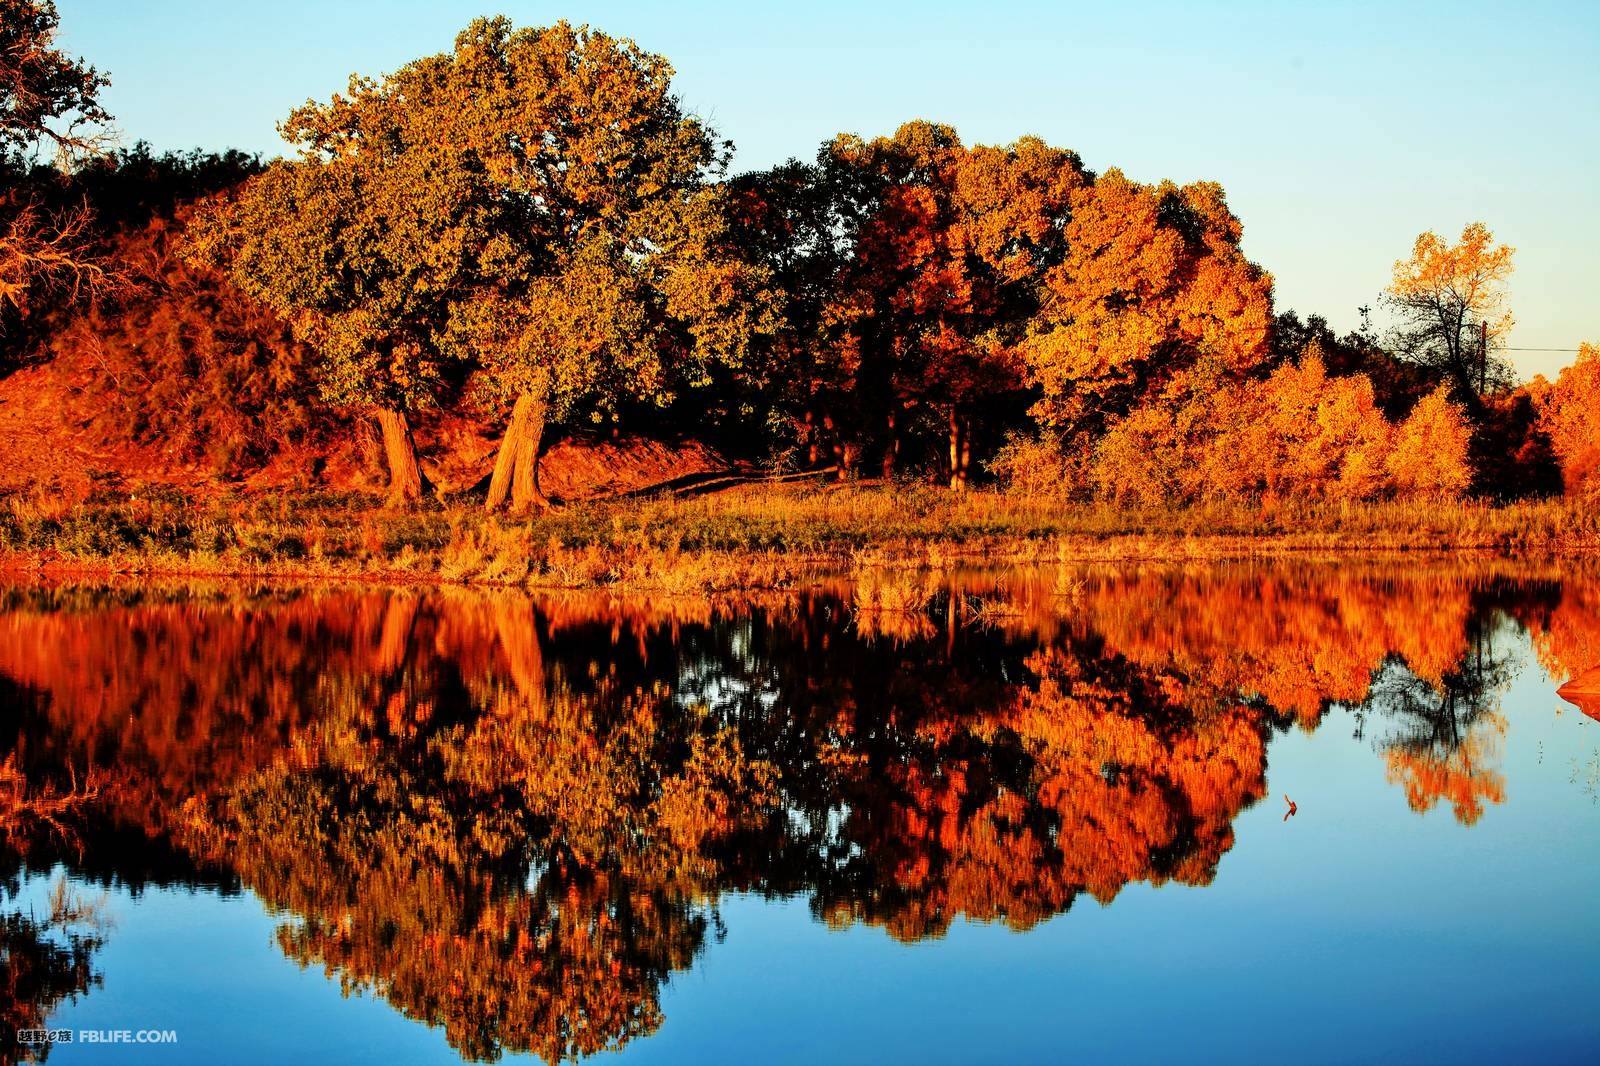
pixel 365 243
pixel 1430 459
pixel 1396 383
pixel 49 108
pixel 532 204
pixel 919 260
pixel 1301 433
pixel 1450 311
pixel 949 265
pixel 614 275
pixel 1569 414
pixel 1154 297
pixel 793 222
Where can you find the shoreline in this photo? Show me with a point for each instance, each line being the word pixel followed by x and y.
pixel 757 537
pixel 732 571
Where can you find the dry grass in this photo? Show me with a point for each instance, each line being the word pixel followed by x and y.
pixel 751 537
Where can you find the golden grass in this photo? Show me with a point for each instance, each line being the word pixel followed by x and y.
pixel 751 537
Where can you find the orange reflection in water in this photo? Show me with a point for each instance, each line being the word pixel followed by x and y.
pixel 512 817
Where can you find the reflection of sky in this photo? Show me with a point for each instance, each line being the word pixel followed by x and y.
pixel 1355 930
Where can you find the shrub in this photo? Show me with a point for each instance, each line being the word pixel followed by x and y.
pixel 1042 466
pixel 179 358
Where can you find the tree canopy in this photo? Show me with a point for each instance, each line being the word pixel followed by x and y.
pixel 531 227
pixel 533 207
pixel 1450 307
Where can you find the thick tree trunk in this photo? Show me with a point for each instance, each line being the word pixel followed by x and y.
pixel 505 460
pixel 516 467
pixel 406 483
pixel 525 492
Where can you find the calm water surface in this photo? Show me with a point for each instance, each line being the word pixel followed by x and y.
pixel 960 817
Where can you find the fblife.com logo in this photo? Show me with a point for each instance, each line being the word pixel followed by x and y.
pixel 37 1037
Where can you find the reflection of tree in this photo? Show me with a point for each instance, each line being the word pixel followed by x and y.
pixel 43 964
pixel 44 961
pixel 513 818
pixel 1567 637
pixel 925 799
pixel 1297 641
pixel 526 878
pixel 1445 733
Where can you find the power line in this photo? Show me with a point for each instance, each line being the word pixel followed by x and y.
pixel 1541 349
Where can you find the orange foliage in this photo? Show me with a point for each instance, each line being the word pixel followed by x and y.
pixel 1446 298
pixel 1153 293
pixel 1299 434
pixel 947 254
pixel 1569 413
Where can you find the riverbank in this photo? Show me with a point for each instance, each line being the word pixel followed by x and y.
pixel 748 537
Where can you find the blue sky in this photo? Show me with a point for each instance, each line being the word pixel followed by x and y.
pixel 1340 130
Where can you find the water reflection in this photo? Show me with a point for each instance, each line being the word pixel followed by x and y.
pixel 513 817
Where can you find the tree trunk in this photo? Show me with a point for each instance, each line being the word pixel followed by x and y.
pixel 955 450
pixel 505 460
pixel 891 449
pixel 525 493
pixel 848 450
pixel 966 452
pixel 516 466
pixel 406 483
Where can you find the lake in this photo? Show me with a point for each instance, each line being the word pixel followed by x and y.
pixel 1246 812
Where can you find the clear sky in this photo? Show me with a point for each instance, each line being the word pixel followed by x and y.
pixel 1340 130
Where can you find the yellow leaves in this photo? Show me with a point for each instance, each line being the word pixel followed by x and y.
pixel 520 204
pixel 1468 268
pixel 1430 455
pixel 1445 297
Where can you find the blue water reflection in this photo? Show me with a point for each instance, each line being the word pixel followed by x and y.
pixel 1034 817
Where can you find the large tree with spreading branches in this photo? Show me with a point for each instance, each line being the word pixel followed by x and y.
pixel 533 208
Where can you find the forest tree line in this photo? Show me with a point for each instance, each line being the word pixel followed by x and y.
pixel 531 229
